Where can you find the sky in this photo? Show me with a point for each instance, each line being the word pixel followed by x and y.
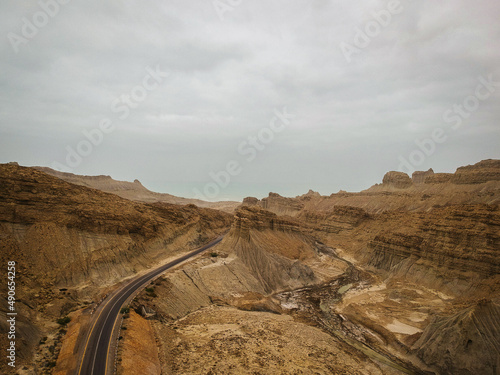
pixel 223 99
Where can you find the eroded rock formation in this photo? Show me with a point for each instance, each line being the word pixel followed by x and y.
pixel 418 177
pixel 398 180
pixel 467 342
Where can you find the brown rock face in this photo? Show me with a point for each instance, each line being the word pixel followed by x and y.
pixel 479 173
pixel 28 196
pixel 269 246
pixel 461 240
pixel 467 342
pixel 281 205
pixel 394 272
pixel 256 218
pixel 438 178
pixel 398 180
pixel 484 171
pixel 418 177
pixel 340 218
pixel 310 195
pixel 250 201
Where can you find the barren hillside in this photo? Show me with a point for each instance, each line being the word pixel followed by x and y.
pixel 71 242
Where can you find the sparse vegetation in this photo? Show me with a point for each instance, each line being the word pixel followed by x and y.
pixel 64 321
pixel 214 254
pixel 125 310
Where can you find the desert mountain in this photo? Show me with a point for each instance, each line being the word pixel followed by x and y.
pixel 478 183
pixel 134 191
pixel 403 277
pixel 396 275
pixel 71 242
pixel 236 304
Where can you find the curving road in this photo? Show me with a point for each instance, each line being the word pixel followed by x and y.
pixel 96 351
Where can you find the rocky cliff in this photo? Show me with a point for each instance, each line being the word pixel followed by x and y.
pixel 70 242
pixel 68 232
pixel 338 219
pixel 281 205
pixel 467 342
pixel 398 180
pixel 418 177
pixel 438 178
pixel 484 171
pixel 448 248
pixel 475 184
pixel 270 247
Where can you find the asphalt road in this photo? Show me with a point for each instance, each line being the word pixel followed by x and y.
pixel 95 354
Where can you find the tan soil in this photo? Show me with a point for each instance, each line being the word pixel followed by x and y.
pixel 224 340
pixel 138 349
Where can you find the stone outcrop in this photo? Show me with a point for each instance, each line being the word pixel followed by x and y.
pixel 418 177
pixel 339 218
pixel 250 218
pixel 375 265
pixel 432 244
pixel 310 195
pixel 269 247
pixel 250 201
pixel 281 205
pixel 438 178
pixel 261 254
pixel 467 342
pixel 398 180
pixel 28 196
pixel 484 171
pixel 479 173
pixel 448 247
pixel 398 192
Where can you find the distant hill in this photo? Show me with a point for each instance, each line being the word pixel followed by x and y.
pixel 134 191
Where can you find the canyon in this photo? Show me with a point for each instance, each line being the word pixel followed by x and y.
pixel 403 277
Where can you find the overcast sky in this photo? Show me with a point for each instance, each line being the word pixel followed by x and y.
pixel 179 87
